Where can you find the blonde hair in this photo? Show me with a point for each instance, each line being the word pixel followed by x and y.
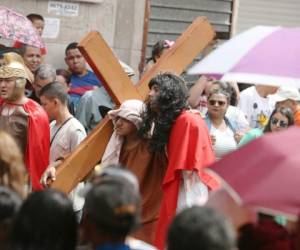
pixel 12 171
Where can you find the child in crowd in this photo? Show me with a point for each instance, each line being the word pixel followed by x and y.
pixel 39 23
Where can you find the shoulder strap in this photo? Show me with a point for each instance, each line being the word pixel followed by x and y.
pixel 230 124
pixel 208 122
pixel 61 126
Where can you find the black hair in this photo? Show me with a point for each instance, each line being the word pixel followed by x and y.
pixel 65 74
pixel 200 228
pixel 33 16
pixel 10 202
pixel 23 48
pixel 230 90
pixel 157 50
pixel 73 45
pixel 113 203
pixel 265 234
pixel 171 101
pixel 46 221
pixel 54 90
pixel 287 112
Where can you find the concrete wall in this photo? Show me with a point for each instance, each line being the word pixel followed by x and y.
pixel 119 21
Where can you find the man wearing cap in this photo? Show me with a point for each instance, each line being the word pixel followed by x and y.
pixel 24 119
pixel 288 97
pixel 111 210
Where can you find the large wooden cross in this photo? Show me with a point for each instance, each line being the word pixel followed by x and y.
pixel 107 68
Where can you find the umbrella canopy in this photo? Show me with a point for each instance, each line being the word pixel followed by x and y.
pixel 15 26
pixel 265 173
pixel 261 55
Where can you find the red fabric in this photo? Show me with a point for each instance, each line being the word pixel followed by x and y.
pixel 266 235
pixel 38 142
pixel 189 148
pixel 18 44
pixel 80 90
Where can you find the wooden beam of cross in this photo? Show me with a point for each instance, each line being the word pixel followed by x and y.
pixel 107 68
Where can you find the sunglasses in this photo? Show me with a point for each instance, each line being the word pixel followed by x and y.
pixel 275 121
pixel 213 103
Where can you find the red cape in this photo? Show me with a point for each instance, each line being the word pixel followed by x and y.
pixel 189 148
pixel 38 142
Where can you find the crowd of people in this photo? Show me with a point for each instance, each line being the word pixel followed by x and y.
pixel 151 190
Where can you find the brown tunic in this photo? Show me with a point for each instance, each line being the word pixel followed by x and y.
pixel 149 169
pixel 14 120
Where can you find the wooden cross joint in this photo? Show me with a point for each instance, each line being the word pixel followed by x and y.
pixel 108 69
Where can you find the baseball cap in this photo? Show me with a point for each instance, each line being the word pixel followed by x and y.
pixel 113 202
pixel 285 93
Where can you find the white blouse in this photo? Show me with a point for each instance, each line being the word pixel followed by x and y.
pixel 224 141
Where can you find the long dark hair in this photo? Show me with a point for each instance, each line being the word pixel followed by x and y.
pixel 172 100
pixel 287 112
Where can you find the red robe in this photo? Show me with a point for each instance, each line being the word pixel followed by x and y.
pixel 38 142
pixel 189 148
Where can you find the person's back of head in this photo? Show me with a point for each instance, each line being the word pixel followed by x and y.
pixel 46 71
pixel 265 235
pixel 10 203
pixel 55 90
pixel 46 221
pixel 112 207
pixel 65 74
pixel 200 228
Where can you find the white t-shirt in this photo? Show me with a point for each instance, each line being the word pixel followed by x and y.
pixel 235 115
pixel 224 141
pixel 63 143
pixel 256 108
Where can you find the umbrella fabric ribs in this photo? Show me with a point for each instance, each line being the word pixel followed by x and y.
pixel 261 55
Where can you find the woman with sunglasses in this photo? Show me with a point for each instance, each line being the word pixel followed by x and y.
pixel 222 130
pixel 281 118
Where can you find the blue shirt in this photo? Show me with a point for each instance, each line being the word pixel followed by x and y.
pixel 81 84
pixel 113 246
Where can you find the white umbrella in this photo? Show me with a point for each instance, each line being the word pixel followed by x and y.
pixel 261 55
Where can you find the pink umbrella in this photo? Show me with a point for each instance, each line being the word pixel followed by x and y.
pixel 14 26
pixel 261 55
pixel 265 173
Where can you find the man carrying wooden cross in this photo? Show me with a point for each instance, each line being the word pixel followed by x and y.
pixel 106 67
pixel 185 137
